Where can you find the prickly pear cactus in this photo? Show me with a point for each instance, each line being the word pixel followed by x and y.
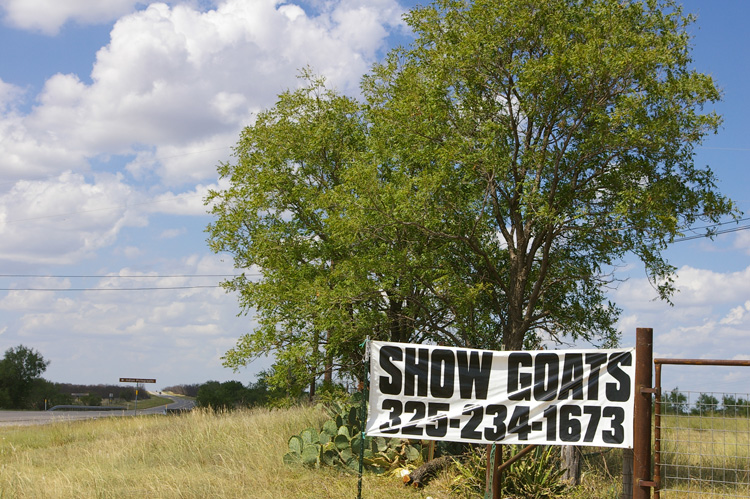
pixel 339 441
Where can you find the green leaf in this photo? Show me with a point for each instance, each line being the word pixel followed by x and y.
pixel 379 444
pixel 324 438
pixel 329 457
pixel 353 464
pixel 412 454
pixel 357 442
pixel 353 417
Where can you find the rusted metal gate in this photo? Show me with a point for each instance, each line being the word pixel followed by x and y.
pixel 701 449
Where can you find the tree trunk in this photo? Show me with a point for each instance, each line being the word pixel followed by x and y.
pixel 571 456
pixel 312 390
pixel 328 372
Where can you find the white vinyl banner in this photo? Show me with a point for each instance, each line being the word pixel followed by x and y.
pixel 558 397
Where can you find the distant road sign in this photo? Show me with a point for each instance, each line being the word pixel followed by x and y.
pixel 137 380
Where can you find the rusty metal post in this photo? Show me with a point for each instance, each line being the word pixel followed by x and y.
pixel 644 355
pixel 657 431
pixel 497 473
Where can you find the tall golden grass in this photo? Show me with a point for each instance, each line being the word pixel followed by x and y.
pixel 197 455
pixel 240 455
pixel 705 456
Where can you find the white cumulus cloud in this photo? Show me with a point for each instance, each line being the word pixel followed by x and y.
pixel 170 92
pixel 63 219
pixel 48 16
pixel 175 75
pixel 709 319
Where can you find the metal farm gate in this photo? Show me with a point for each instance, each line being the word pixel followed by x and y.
pixel 701 440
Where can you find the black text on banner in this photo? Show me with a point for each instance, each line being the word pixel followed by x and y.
pixel 581 397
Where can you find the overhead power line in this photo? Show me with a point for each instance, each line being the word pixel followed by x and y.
pixel 712 233
pixel 722 223
pixel 716 233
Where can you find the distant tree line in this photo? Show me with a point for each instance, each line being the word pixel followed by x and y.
pixel 233 394
pixel 22 387
pixel 48 394
pixel 676 402
pixel 185 390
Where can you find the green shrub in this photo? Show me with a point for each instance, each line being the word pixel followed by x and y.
pixel 536 476
pixel 92 400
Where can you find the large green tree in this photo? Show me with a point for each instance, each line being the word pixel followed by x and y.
pixel 20 368
pixel 546 141
pixel 290 213
pixel 483 193
pixel 275 218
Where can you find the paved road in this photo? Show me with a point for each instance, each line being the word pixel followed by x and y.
pixel 25 418
pixel 178 404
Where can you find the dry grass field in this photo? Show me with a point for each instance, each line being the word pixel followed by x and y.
pixel 706 456
pixel 239 455
pixel 196 455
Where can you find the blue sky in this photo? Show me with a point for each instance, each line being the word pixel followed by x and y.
pixel 114 115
